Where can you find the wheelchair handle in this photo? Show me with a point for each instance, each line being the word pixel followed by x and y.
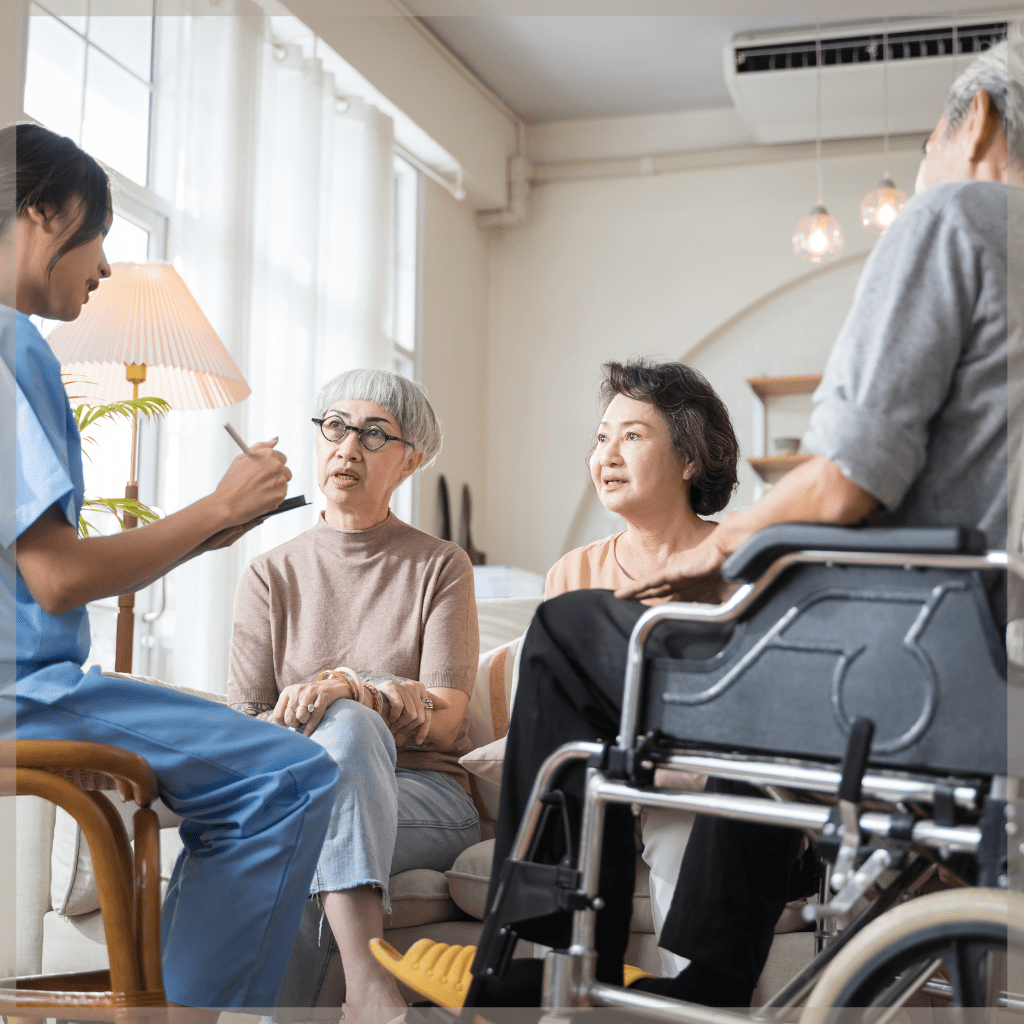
pixel 855 763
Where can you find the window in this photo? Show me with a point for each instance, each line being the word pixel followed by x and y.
pixel 90 77
pixel 115 85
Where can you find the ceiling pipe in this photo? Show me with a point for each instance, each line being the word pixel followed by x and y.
pixel 520 171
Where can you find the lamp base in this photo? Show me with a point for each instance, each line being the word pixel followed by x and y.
pixel 125 643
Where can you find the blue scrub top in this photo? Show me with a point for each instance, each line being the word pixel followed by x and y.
pixel 49 472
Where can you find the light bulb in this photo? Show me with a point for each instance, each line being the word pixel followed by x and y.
pixel 817 236
pixel 880 207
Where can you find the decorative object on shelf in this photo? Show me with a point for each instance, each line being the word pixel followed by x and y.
pixel 444 515
pixel 818 236
pixel 771 468
pixel 883 204
pixel 143 335
pixel 476 556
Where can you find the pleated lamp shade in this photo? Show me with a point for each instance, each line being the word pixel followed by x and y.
pixel 145 314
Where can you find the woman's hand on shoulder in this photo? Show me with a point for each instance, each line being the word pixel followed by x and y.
pixel 406 714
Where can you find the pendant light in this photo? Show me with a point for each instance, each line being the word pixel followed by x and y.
pixel 818 236
pixel 883 204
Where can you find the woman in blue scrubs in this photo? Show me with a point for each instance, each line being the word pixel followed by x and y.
pixel 256 798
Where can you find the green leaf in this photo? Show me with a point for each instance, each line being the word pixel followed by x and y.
pixel 117 507
pixel 87 414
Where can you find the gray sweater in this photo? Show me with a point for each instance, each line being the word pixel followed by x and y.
pixel 913 403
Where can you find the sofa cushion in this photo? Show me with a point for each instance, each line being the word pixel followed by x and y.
pixel 486 762
pixel 502 619
pixel 470 875
pixel 33 834
pixel 489 708
pixel 72 880
pixel 418 897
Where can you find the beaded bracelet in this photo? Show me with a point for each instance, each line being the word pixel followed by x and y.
pixel 378 698
pixel 348 677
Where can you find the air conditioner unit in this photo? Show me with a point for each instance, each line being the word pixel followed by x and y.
pixel 772 76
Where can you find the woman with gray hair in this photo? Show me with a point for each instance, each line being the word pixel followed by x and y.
pixel 362 633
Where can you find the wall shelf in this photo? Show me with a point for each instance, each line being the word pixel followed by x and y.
pixel 770 467
pixel 771 387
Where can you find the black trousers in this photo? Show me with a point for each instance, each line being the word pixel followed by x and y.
pixel 734 878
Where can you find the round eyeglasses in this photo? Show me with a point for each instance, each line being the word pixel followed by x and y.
pixel 371 438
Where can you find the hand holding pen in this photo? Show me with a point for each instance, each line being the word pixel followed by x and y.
pixel 256 482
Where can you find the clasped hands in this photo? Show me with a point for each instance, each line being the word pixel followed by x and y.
pixel 301 706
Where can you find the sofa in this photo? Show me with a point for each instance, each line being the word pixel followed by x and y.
pixel 59 924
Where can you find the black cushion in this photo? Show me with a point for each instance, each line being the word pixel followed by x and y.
pixel 754 556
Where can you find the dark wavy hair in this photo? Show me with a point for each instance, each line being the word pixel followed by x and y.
pixel 41 169
pixel 698 422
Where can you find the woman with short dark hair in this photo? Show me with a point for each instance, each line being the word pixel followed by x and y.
pixel 664 454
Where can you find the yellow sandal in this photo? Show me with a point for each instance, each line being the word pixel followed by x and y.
pixel 441 973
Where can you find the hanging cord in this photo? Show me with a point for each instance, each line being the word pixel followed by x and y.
pixel 885 96
pixel 817 113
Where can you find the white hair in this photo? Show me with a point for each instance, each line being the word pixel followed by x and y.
pixel 405 399
pixel 999 72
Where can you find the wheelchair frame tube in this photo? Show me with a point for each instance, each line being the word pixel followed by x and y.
pixel 555 761
pixel 589 862
pixel 958 838
pixel 816 780
pixel 680 611
pixel 661 1008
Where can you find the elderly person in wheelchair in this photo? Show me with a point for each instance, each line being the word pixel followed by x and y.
pixel 825 636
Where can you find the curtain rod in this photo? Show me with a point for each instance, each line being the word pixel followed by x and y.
pixel 454 189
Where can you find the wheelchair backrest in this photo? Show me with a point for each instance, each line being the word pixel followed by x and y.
pixel 914 649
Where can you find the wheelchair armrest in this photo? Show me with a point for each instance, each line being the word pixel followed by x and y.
pixel 753 558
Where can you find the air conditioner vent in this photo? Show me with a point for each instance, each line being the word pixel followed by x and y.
pixel 773 77
pixel 933 42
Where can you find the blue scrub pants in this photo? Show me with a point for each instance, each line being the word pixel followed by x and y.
pixel 256 800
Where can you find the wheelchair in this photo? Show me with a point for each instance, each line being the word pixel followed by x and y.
pixel 863 690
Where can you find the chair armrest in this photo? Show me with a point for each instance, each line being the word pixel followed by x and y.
pixel 753 557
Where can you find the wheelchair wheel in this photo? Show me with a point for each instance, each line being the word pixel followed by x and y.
pixel 949 946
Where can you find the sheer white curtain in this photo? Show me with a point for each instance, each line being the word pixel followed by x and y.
pixel 320 258
pixel 284 192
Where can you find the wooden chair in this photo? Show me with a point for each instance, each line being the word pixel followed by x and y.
pixel 69 774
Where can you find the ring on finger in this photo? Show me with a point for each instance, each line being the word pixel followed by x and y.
pixel 427 702
pixel 311 708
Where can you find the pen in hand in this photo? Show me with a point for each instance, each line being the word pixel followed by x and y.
pixel 237 438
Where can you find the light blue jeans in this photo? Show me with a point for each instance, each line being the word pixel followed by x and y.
pixel 384 820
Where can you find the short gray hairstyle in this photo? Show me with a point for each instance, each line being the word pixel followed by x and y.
pixel 405 399
pixel 998 72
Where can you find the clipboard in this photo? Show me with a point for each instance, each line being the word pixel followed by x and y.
pixel 299 501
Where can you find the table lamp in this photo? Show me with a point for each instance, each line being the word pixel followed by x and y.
pixel 142 334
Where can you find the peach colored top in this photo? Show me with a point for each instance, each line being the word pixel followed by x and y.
pixel 593 567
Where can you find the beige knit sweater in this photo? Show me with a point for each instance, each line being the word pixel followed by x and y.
pixel 389 598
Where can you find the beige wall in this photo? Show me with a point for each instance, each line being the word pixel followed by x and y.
pixel 619 267
pixel 454 346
